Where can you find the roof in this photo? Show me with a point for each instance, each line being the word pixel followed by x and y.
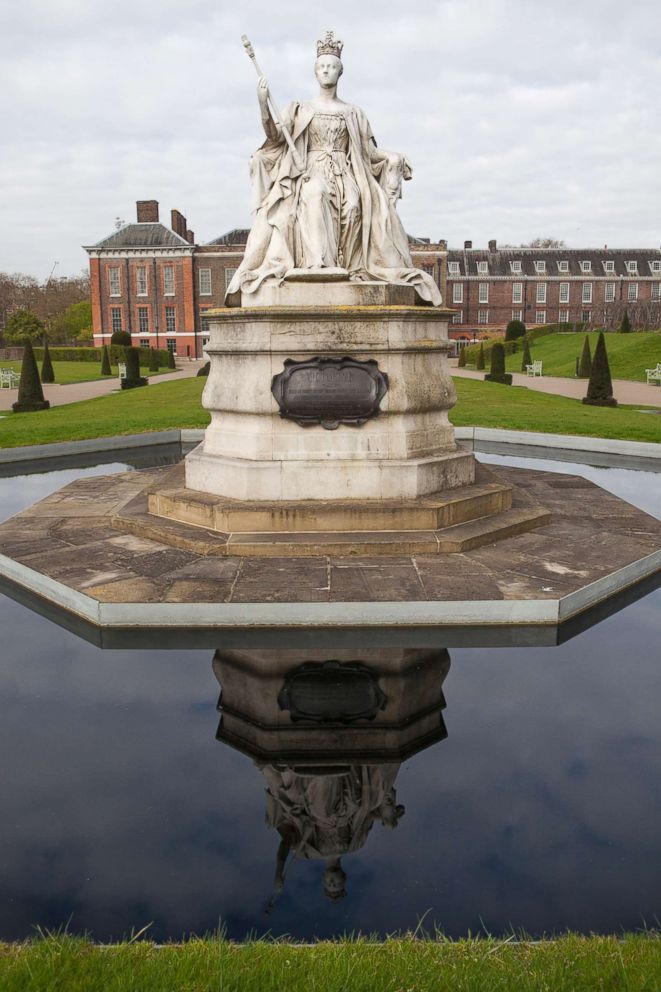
pixel 237 236
pixel 498 262
pixel 142 236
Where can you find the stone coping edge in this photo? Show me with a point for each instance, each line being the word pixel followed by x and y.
pixel 530 439
pixel 503 613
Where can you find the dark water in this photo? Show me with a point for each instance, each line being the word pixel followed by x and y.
pixel 540 810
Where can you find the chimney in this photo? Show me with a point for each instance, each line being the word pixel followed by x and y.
pixel 190 237
pixel 147 211
pixel 492 245
pixel 178 223
pixel 467 245
pixel 442 243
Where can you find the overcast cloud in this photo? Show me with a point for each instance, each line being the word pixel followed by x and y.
pixel 520 119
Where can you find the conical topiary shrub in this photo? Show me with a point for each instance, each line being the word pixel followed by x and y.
pixel 526 358
pixel 133 378
pixel 153 360
pixel 105 361
pixel 585 361
pixel 625 326
pixel 479 364
pixel 47 373
pixel 600 385
pixel 171 361
pixel 30 393
pixel 498 373
pixel 462 357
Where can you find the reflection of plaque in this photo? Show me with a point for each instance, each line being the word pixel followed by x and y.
pixel 329 391
pixel 331 693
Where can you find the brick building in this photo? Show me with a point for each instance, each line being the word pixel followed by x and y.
pixel 156 282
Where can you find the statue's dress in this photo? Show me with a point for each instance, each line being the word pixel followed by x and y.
pixel 337 210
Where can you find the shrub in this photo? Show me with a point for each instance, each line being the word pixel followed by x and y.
pixel 526 358
pixel 585 361
pixel 205 369
pixel 515 329
pixel 600 385
pixel 153 360
pixel 47 374
pixel 30 393
pixel 23 325
pixel 479 364
pixel 625 326
pixel 498 373
pixel 105 361
pixel 121 337
pixel 462 357
pixel 133 378
pixel 171 362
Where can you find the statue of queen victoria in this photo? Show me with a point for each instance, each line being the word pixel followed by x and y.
pixel 325 196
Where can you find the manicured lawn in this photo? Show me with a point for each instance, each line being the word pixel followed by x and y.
pixel 66 372
pixel 166 405
pixel 569 964
pixel 628 354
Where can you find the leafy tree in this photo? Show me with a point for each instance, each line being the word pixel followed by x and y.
pixel 105 361
pixel 24 325
pixel 625 326
pixel 526 358
pixel 479 364
pixel 74 322
pixel 498 373
pixel 600 385
pixel 30 393
pixel 546 243
pixel 585 362
pixel 47 373
pixel 515 329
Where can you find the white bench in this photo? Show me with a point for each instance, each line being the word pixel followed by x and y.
pixel 121 368
pixel 654 375
pixel 9 379
pixel 534 369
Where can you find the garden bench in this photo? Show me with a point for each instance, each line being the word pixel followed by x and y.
pixel 654 375
pixel 9 379
pixel 534 369
pixel 121 368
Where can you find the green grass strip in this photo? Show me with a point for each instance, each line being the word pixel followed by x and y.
pixel 166 405
pixel 70 372
pixel 568 964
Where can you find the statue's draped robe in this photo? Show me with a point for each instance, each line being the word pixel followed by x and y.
pixel 273 246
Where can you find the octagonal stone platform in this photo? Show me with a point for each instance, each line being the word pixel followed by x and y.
pixel 65 557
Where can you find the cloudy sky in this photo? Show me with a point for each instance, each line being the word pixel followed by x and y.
pixel 521 119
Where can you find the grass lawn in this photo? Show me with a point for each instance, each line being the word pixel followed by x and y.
pixel 628 354
pixel 67 372
pixel 569 964
pixel 177 403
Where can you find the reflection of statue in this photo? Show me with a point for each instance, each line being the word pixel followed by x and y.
pixel 327 814
pixel 325 195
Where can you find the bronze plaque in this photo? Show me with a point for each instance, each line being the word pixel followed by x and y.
pixel 329 391
pixel 331 692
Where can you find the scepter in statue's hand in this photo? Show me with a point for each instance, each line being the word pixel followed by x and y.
pixel 275 113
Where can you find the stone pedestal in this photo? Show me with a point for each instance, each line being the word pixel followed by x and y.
pixel 407 450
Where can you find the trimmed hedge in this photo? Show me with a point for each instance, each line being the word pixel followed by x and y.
pixel 95 355
pixel 511 347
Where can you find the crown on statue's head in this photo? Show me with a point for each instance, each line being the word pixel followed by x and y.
pixel 330 46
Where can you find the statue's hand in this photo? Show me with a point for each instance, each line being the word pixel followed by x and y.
pixel 262 91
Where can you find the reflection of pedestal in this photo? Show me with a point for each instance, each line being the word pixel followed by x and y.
pixel 403 450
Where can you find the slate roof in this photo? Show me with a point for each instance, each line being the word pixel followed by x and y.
pixel 142 236
pixel 237 236
pixel 498 262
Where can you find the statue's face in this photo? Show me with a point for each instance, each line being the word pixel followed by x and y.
pixel 328 70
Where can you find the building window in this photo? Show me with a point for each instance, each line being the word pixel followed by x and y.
pixel 517 292
pixel 168 280
pixel 609 292
pixel 587 292
pixel 632 292
pixel 458 292
pixel 483 316
pixel 632 268
pixel 656 291
pixel 541 292
pixel 515 267
pixel 655 266
pixel 141 280
pixel 171 320
pixel 115 319
pixel 229 275
pixel 144 342
pixel 563 266
pixel 171 344
pixel 540 267
pixel 458 317
pixel 563 316
pixel 205 282
pixel 114 281
pixel 453 268
pixel 586 316
pixel 143 320
pixel 540 316
pixel 517 314
pixel 586 266
pixel 483 268
pixel 609 266
pixel 483 292
pixel 564 293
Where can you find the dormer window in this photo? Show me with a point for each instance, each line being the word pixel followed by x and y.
pixel 516 267
pixel 655 267
pixel 563 266
pixel 632 268
pixel 540 266
pixel 453 268
pixel 586 267
pixel 609 266
pixel 483 268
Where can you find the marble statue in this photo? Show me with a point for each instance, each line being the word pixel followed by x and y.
pixel 325 195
